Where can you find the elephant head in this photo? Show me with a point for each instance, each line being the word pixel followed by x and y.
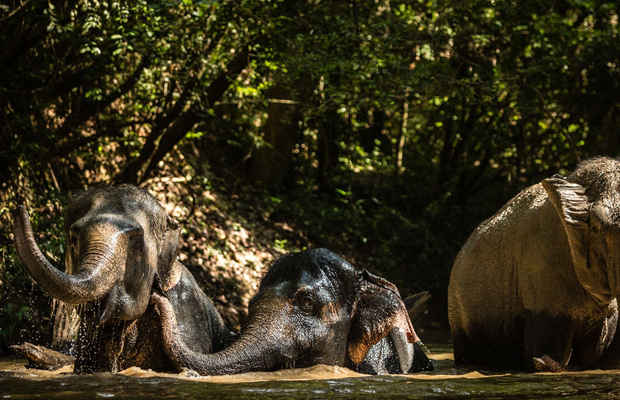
pixel 588 204
pixel 312 307
pixel 118 239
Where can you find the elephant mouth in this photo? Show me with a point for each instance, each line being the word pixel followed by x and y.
pixel 106 342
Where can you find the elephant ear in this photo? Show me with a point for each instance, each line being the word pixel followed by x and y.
pixel 168 269
pixel 573 206
pixel 377 312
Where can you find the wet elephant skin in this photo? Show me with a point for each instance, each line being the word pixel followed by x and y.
pixel 120 244
pixel 541 277
pixel 312 308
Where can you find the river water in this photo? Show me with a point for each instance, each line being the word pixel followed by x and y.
pixel 318 382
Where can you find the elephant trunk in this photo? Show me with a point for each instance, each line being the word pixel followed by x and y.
pixel 251 352
pixel 93 280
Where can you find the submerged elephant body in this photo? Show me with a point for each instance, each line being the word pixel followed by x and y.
pixel 312 308
pixel 542 275
pixel 120 243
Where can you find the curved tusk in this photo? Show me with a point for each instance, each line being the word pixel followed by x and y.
pixel 404 348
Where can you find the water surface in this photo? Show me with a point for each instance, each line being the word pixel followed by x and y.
pixel 318 382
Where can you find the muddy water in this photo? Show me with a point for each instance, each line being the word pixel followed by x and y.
pixel 317 382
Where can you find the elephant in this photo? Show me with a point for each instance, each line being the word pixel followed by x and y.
pixel 312 307
pixel 120 244
pixel 535 286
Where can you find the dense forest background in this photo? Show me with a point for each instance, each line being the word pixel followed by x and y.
pixel 383 130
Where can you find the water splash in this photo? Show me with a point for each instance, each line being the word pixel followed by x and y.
pixel 116 345
pixel 423 347
pixel 66 322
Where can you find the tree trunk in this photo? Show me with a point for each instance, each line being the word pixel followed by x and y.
pixel 271 161
pixel 402 137
pixel 400 147
pixel 328 151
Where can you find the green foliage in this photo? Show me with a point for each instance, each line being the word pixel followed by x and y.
pixel 418 120
pixel 384 130
pixel 25 310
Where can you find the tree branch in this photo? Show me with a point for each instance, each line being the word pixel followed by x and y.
pixel 177 123
pixel 76 120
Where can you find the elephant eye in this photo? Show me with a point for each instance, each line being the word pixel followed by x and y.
pixel 136 241
pixel 73 246
pixel 306 304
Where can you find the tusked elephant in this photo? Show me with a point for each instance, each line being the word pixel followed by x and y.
pixel 535 285
pixel 120 244
pixel 312 307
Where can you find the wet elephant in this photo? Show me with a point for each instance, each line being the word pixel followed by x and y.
pixel 312 307
pixel 120 243
pixel 541 276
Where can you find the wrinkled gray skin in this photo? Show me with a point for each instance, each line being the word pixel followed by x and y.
pixel 312 308
pixel 542 276
pixel 120 243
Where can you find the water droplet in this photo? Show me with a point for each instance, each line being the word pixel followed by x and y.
pixel 423 347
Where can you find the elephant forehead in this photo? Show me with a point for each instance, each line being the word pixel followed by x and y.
pixel 309 265
pixel 128 207
pixel 107 223
pixel 291 270
pixel 296 279
pixel 123 199
pixel 316 282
